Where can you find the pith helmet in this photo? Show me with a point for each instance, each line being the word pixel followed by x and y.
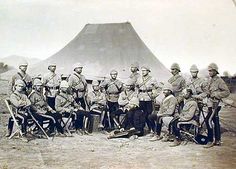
pixel 145 67
pixel 51 64
pixel 167 86
pixel 37 82
pixel 95 83
pixel 135 64
pixel 113 72
pixel 77 65
pixel 194 68
pixel 175 66
pixel 23 63
pixel 19 82
pixel 213 66
pixel 64 84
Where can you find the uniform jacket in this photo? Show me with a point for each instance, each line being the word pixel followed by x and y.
pixel 168 106
pixel 38 102
pixel 190 109
pixel 112 88
pixel 19 101
pixel 199 87
pixel 78 84
pixel 65 103
pixel 216 89
pixel 26 79
pixel 96 100
pixel 178 83
pixel 51 82
pixel 148 88
pixel 134 77
pixel 128 100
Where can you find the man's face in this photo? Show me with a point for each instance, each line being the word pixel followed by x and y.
pixel 145 72
pixel 38 87
pixel 174 71
pixel 19 88
pixel 52 68
pixel 114 76
pixel 133 69
pixel 95 87
pixel 186 94
pixel 194 74
pixel 212 72
pixel 23 68
pixel 166 92
pixel 127 87
pixel 78 70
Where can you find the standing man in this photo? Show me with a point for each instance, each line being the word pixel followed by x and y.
pixel 78 85
pixel 22 75
pixel 51 82
pixel 197 85
pixel 178 83
pixel 134 68
pixel 112 88
pixel 148 90
pixel 216 90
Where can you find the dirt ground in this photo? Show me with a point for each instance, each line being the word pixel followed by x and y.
pixel 97 152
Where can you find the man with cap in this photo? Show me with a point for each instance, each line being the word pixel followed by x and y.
pixel 167 109
pixel 112 88
pixel 78 85
pixel 97 102
pixel 178 83
pixel 20 103
pixel 216 90
pixel 187 116
pixel 67 106
pixel 134 68
pixel 148 90
pixel 197 85
pixel 51 82
pixel 42 110
pixel 21 74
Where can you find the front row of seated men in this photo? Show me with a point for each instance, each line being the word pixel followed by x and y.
pixel 66 107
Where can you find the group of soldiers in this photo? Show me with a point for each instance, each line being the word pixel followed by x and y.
pixel 53 99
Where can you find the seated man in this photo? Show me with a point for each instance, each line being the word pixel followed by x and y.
pixel 187 116
pixel 20 102
pixel 97 102
pixel 167 109
pixel 42 111
pixel 66 105
pixel 129 103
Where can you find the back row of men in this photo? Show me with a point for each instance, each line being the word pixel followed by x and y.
pixel 50 98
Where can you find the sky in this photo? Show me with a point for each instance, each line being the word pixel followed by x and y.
pixel 183 31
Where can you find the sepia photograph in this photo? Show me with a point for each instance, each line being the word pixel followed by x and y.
pixel 108 84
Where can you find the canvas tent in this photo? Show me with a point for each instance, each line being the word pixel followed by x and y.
pixel 103 47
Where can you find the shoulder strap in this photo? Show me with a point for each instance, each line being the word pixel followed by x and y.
pixel 22 78
pixel 80 80
pixel 145 81
pixel 51 77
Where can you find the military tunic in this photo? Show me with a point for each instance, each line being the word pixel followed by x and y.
pixel 113 88
pixel 96 100
pixel 198 87
pixel 25 78
pixel 78 84
pixel 51 82
pixel 134 77
pixel 178 83
pixel 128 100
